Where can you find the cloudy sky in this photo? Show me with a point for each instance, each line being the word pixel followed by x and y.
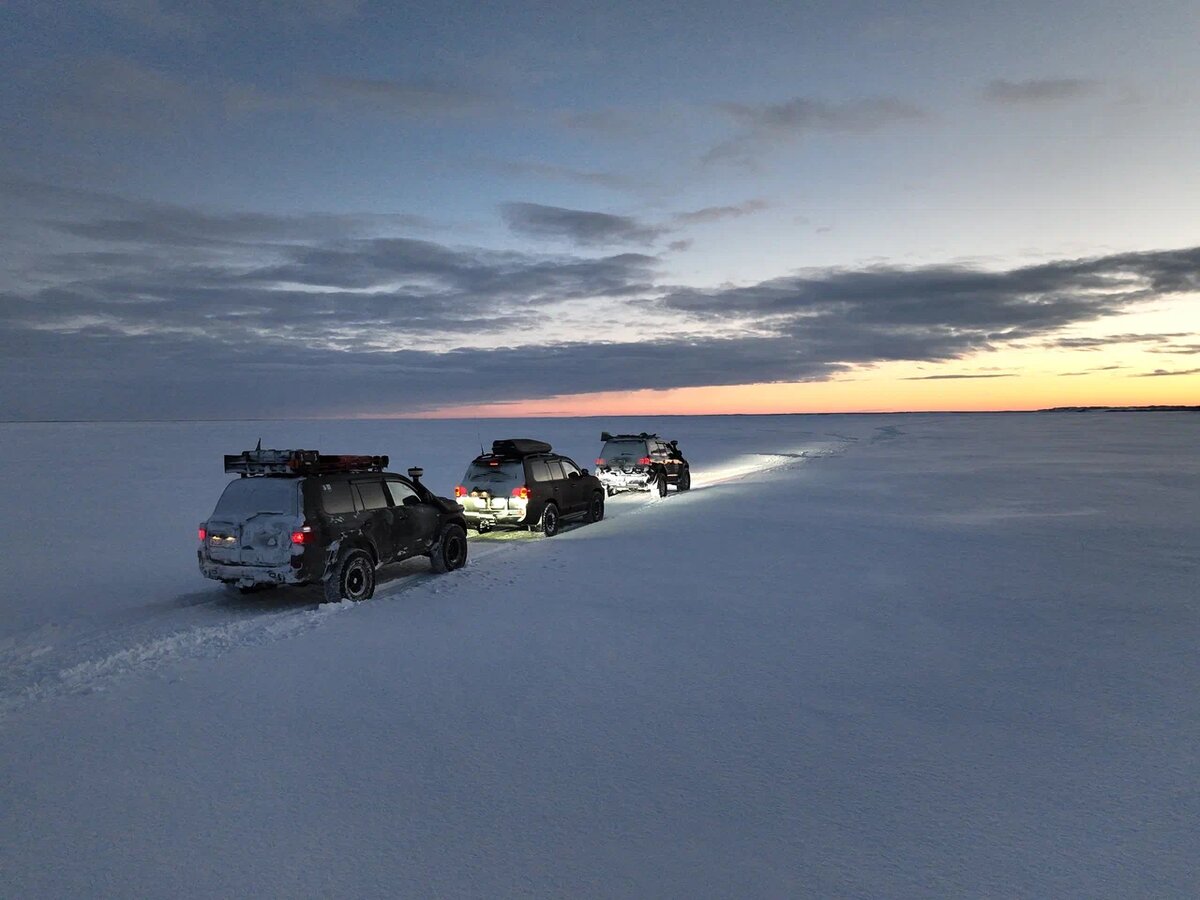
pixel 252 208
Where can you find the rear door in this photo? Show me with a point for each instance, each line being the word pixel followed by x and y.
pixel 556 487
pixel 576 489
pixel 414 522
pixel 376 516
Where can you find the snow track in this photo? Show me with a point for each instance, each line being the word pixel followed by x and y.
pixel 63 659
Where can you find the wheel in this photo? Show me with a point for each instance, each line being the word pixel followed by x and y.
pixel 596 508
pixel 450 550
pixel 610 492
pixel 685 481
pixel 662 484
pixel 353 578
pixel 483 527
pixel 549 523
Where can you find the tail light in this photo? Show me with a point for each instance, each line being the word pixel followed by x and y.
pixel 644 461
pixel 460 491
pixel 600 462
pixel 304 536
pixel 202 533
pixel 521 493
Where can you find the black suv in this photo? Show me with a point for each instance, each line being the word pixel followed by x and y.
pixel 523 484
pixel 301 517
pixel 641 462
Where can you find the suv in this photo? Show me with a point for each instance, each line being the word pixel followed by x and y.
pixel 521 483
pixel 302 517
pixel 641 462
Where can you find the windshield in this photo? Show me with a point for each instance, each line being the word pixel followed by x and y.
pixel 485 476
pixel 629 450
pixel 246 497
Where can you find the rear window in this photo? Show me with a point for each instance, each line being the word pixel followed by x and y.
pixel 632 450
pixel 246 497
pixel 484 476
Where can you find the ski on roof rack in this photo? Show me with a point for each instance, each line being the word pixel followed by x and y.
pixel 299 462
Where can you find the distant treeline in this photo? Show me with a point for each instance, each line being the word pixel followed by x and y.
pixel 1122 409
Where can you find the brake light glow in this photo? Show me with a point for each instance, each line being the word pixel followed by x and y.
pixel 521 493
pixel 644 461
pixel 599 462
pixel 304 536
pixel 202 532
pixel 460 491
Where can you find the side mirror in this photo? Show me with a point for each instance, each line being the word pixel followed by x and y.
pixel 586 472
pixel 412 500
pixel 573 475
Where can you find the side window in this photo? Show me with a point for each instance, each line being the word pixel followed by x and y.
pixel 370 494
pixel 336 498
pixel 401 493
pixel 556 471
pixel 538 470
pixel 569 468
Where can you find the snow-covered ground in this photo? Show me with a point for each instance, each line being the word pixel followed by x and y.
pixel 867 656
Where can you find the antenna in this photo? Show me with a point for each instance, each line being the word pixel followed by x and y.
pixel 258 448
pixel 480 439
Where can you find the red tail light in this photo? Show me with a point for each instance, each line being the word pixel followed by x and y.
pixel 202 533
pixel 599 462
pixel 644 461
pixel 460 491
pixel 304 536
pixel 521 493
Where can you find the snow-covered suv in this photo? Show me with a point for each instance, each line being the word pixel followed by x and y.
pixel 301 517
pixel 641 462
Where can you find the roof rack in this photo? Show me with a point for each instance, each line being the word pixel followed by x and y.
pixel 299 462
pixel 605 436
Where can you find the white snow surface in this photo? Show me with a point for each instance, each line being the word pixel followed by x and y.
pixel 902 656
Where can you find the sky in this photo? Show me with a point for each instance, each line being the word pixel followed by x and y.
pixel 216 209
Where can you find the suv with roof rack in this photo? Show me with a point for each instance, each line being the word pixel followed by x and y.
pixel 641 462
pixel 522 483
pixel 303 517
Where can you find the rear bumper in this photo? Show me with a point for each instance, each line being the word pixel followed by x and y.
pixel 495 517
pixel 627 481
pixel 246 576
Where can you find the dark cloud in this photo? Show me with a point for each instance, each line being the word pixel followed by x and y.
pixel 1038 90
pixel 717 213
pixel 120 320
pixel 1100 343
pixel 1157 373
pixel 765 124
pixel 1090 371
pixel 578 226
pixel 955 377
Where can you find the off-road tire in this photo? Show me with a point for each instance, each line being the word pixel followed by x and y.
pixel 662 484
pixel 550 520
pixel 685 481
pixel 352 578
pixel 449 551
pixel 596 508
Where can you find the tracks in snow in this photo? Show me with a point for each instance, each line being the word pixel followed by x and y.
pixel 59 660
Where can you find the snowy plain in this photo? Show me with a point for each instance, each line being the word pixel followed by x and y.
pixel 925 655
